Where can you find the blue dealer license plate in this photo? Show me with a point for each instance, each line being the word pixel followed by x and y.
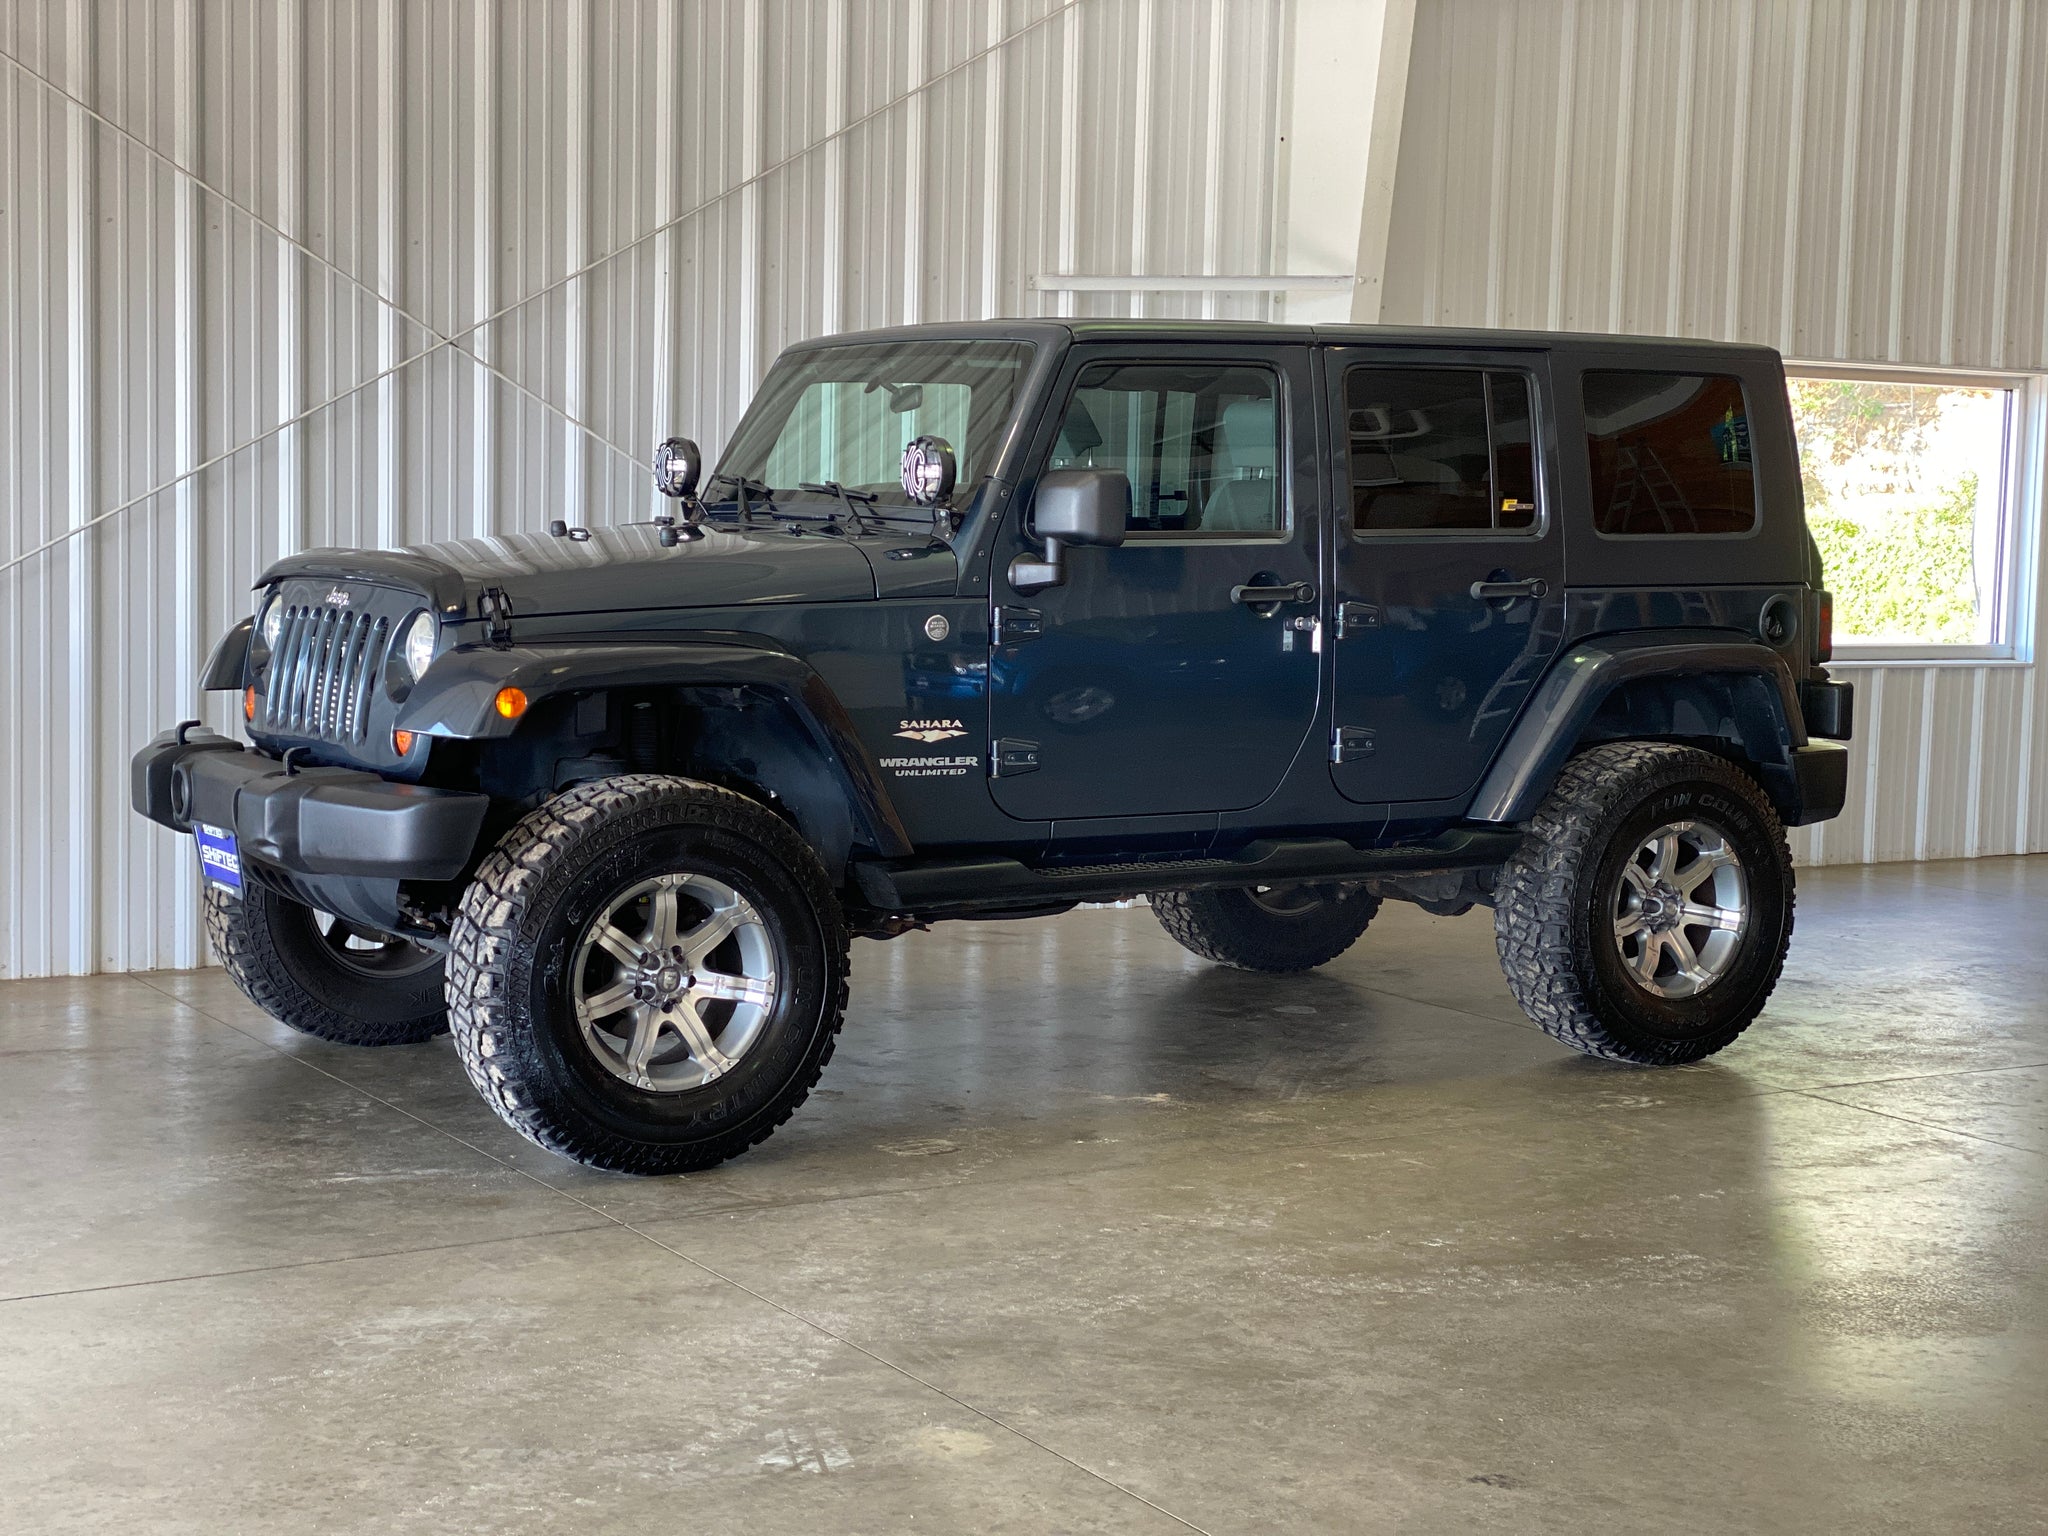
pixel 219 859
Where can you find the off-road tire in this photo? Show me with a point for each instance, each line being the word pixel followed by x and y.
pixel 1231 928
pixel 1554 930
pixel 272 950
pixel 510 953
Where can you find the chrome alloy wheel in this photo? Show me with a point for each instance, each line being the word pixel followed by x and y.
pixel 1680 906
pixel 674 982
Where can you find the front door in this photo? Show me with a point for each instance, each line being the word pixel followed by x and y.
pixel 1449 564
pixel 1151 681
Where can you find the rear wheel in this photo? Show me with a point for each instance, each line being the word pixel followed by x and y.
pixel 648 974
pixel 324 975
pixel 1647 913
pixel 1268 927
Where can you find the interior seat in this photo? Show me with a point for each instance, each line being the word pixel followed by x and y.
pixel 1248 502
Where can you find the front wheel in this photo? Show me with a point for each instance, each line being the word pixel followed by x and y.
pixel 323 975
pixel 1647 913
pixel 647 974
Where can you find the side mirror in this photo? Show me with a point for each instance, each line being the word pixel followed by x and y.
pixel 1073 506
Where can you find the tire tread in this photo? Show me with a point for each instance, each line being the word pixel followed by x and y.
pixel 241 941
pixel 486 932
pixel 1535 918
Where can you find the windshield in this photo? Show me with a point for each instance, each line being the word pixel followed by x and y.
pixel 843 414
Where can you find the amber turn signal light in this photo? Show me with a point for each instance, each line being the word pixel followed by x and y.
pixel 248 703
pixel 401 742
pixel 511 702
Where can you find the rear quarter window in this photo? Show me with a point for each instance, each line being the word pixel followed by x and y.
pixel 1670 455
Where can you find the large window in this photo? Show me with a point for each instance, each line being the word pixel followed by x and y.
pixel 1670 454
pixel 1200 443
pixel 1909 495
pixel 1438 450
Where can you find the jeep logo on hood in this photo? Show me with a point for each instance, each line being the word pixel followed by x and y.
pixel 337 598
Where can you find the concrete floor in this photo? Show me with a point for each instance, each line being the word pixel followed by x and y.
pixel 1078 1234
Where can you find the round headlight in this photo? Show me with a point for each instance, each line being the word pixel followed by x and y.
pixel 272 623
pixel 420 636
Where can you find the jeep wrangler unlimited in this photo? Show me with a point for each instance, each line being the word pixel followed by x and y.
pixel 1267 623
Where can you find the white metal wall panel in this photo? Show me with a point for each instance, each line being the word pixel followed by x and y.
pixel 1861 180
pixel 646 199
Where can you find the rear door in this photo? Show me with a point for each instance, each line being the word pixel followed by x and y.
pixel 1150 682
pixel 1449 563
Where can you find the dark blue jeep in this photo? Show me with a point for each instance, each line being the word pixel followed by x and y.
pixel 1266 623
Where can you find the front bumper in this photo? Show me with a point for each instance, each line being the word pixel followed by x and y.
pixel 337 824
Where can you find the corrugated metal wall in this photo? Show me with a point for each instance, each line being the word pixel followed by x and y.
pixel 645 200
pixel 1862 180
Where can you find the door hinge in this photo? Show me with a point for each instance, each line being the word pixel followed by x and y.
pixel 1352 617
pixel 1014 624
pixel 1349 743
pixel 494 607
pixel 1009 757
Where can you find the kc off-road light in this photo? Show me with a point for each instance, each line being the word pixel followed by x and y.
pixel 929 470
pixel 677 463
pixel 419 644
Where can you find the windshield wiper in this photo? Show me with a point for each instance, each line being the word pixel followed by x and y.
pixel 857 503
pixel 745 487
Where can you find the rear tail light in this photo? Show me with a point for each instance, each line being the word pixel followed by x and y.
pixel 1824 631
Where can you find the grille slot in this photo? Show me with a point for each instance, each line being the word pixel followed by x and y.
pixel 323 673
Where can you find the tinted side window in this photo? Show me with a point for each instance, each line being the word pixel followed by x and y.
pixel 1670 453
pixel 1200 443
pixel 1440 449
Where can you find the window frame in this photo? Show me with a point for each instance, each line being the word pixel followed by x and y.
pixel 1756 487
pixel 1283 467
pixel 2021 492
pixel 1539 525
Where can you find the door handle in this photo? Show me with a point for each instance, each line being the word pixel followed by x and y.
pixel 1497 591
pixel 1291 592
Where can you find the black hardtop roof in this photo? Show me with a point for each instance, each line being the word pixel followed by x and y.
pixel 1447 337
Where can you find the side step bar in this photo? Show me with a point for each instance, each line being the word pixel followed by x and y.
pixel 955 886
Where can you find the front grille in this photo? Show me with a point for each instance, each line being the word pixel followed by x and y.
pixel 323 672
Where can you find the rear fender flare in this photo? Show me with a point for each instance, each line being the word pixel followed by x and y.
pixel 456 698
pixel 1761 691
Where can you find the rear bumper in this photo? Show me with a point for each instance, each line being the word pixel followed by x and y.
pixel 317 822
pixel 1820 783
pixel 1829 708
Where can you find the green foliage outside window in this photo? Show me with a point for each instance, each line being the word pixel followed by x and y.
pixel 1907 574
pixel 1892 500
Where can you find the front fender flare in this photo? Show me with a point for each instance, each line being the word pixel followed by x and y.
pixel 456 699
pixel 1583 679
pixel 227 665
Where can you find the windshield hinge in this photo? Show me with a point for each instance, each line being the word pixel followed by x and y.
pixel 494 607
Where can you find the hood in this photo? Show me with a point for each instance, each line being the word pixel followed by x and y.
pixel 616 570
